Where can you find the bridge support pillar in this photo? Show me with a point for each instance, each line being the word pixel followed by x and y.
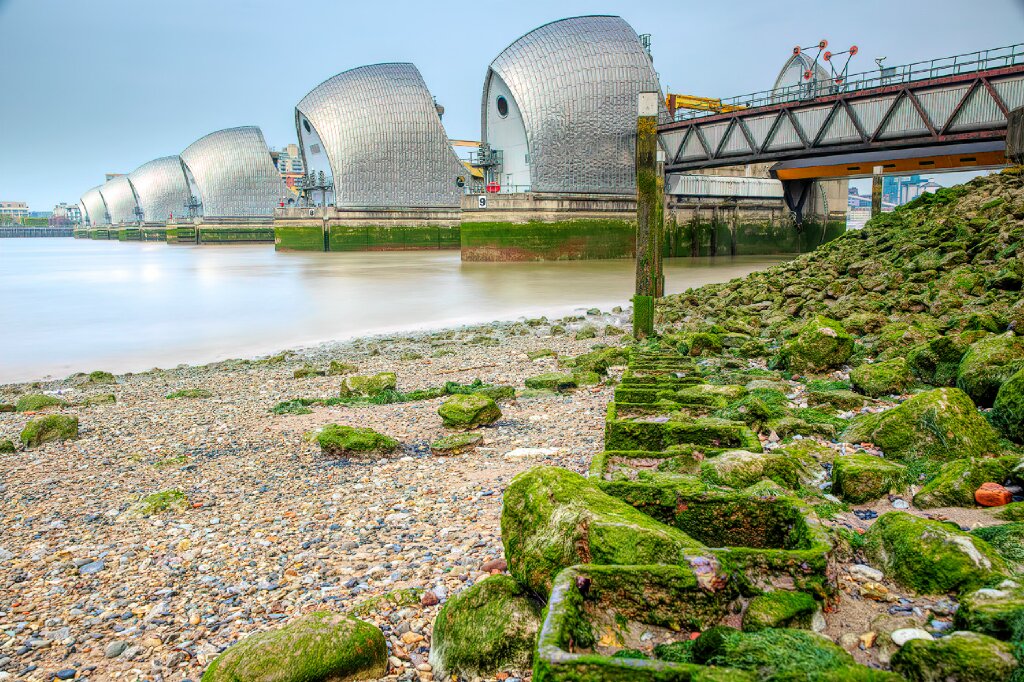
pixel 796 193
pixel 876 191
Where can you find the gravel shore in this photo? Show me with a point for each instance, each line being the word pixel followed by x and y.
pixel 272 528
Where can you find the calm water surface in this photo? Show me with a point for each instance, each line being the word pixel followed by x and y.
pixel 77 305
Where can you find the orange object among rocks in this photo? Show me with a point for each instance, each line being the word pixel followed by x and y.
pixel 992 495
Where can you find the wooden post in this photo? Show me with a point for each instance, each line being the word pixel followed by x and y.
pixel 650 190
pixel 876 191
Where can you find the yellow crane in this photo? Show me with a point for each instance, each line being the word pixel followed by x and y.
pixel 692 102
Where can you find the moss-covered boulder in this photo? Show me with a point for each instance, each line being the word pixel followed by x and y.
pixel 962 656
pixel 7 407
pixel 882 378
pixel 456 443
pixel 860 477
pixel 820 345
pixel 33 402
pixel 336 439
pixel 156 503
pixel 931 557
pixel 779 609
pixel 988 364
pixel 1007 539
pixel 941 425
pixel 838 399
pixel 486 629
pixel 468 411
pixel 739 469
pixel 368 384
pixel 541 353
pixel 338 368
pixel 1008 408
pixel 319 647
pixel 307 371
pixel 552 381
pixel 100 377
pixel 785 654
pixel 6 446
pixel 553 518
pixel 189 393
pixel 51 428
pixel 100 399
pixel 997 612
pixel 937 361
pixel 956 482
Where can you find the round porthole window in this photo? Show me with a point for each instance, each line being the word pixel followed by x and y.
pixel 502 106
pixel 305 124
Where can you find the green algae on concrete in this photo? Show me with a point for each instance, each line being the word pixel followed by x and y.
pixel 821 344
pixel 739 469
pixel 552 518
pixel 1008 409
pixel 335 439
pixel 988 364
pixel 195 393
pixel 33 402
pixel 860 478
pixel 368 385
pixel 319 647
pixel 468 411
pixel 957 481
pixel 552 381
pixel 585 239
pixel 51 428
pixel 931 557
pixel 773 653
pixel 392 237
pixel 490 627
pixel 780 609
pixel 159 502
pixel 299 237
pixel 960 656
pixel 882 378
pixel 942 424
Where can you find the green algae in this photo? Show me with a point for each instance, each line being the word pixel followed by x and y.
pixel 468 411
pixel 159 502
pixel 779 609
pixel 987 365
pixel 192 393
pixel 1008 408
pixel 956 482
pixel 336 439
pixel 882 378
pixel 962 656
pixel 48 429
pixel 859 478
pixel 37 401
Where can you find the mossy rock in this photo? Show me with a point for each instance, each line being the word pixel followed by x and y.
pixel 6 446
pixel 484 340
pixel 756 408
pixel 456 443
pixel 988 364
pixel 772 653
pixel 1011 512
pixel 584 378
pixel 962 656
pixel 703 343
pixel 468 411
pixel 859 477
pixel 336 439
pixel 368 385
pixel 882 378
pixel 821 344
pixel 586 332
pixel 337 368
pixel 552 381
pixel 997 612
pixel 7 407
pixel 780 609
pixel 307 371
pixel 1008 408
pixel 319 647
pixel 941 425
pixel 598 360
pixel 553 518
pixel 1007 539
pixel 810 451
pixel 739 469
pixel 157 503
pixel 957 481
pixel 497 393
pixel 931 557
pixel 34 402
pixel 51 428
pixel 541 353
pixel 795 426
pixel 486 629
pixel 100 377
pixel 840 399
pixel 197 393
pixel 937 361
pixel 100 399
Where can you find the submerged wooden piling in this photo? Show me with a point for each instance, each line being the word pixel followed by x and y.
pixel 650 191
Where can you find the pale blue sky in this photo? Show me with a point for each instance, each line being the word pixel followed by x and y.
pixel 89 87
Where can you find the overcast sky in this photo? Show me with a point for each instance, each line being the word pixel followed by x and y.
pixel 97 86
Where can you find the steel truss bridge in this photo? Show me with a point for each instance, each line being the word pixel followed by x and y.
pixel 942 114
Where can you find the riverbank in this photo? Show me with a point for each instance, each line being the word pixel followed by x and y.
pixel 272 527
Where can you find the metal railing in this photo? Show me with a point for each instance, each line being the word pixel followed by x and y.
pixel 972 62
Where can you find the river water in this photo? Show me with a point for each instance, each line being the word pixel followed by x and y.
pixel 79 305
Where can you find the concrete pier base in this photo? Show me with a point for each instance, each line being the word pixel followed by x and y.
pixel 345 229
pixel 221 231
pixel 539 227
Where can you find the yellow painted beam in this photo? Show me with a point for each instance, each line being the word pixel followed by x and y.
pixel 895 166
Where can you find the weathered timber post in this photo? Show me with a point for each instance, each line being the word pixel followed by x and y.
pixel 650 193
pixel 876 191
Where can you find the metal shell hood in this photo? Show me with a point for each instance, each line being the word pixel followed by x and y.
pixel 120 199
pixel 161 188
pixel 95 207
pixel 380 130
pixel 575 83
pixel 234 173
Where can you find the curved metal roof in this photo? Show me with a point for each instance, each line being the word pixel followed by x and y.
pixel 81 212
pixel 120 199
pixel 95 207
pixel 576 82
pixel 234 173
pixel 383 138
pixel 161 188
pixel 792 72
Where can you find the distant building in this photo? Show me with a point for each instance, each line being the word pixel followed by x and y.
pixel 65 214
pixel 111 176
pixel 289 165
pixel 13 211
pixel 899 190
